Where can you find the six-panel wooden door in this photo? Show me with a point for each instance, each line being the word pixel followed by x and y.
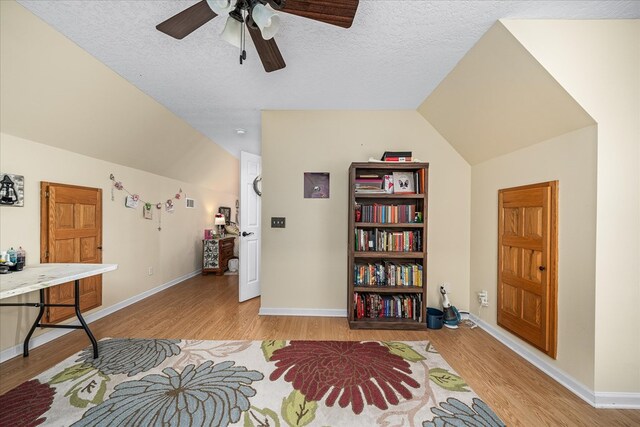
pixel 71 232
pixel 527 263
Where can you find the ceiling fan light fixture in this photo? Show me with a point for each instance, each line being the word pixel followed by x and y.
pixel 221 7
pixel 232 32
pixel 266 19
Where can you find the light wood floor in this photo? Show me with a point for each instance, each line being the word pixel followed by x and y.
pixel 206 307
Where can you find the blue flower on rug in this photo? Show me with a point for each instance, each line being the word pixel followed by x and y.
pixel 130 356
pixel 209 395
pixel 454 413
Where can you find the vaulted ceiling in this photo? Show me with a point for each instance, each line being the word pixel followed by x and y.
pixel 394 56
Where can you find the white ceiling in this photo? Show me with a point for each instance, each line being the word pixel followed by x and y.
pixel 393 56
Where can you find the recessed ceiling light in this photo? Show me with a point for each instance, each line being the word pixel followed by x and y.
pixel 240 131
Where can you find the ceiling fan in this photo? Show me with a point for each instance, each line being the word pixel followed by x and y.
pixel 261 21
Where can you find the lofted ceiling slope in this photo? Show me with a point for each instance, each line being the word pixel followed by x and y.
pixel 394 55
pixel 499 99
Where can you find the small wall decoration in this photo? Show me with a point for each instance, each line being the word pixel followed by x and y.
pixel 147 213
pixel 316 185
pixel 227 214
pixel 131 201
pixel 189 203
pixel 11 190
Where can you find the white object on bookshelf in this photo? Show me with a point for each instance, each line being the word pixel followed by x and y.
pixel 403 182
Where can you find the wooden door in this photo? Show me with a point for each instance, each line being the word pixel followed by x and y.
pixel 527 263
pixel 71 232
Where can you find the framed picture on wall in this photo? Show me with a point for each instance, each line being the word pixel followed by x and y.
pixel 11 190
pixel 227 214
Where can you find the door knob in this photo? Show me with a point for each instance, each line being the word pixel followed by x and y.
pixel 542 268
pixel 100 247
pixel 245 234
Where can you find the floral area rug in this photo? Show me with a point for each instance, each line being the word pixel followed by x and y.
pixel 152 382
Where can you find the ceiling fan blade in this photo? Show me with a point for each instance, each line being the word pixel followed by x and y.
pixel 184 23
pixel 267 50
pixel 334 12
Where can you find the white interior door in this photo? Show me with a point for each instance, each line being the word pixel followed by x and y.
pixel 249 274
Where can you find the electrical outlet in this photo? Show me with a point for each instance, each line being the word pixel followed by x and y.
pixel 150 271
pixel 277 222
pixel 483 298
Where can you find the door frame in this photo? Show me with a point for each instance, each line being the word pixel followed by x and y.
pixel 551 268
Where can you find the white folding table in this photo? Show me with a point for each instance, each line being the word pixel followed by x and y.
pixel 43 276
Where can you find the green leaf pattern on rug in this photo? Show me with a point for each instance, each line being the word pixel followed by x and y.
pixel 255 417
pixel 269 346
pixel 404 350
pixel 297 411
pixel 447 380
pixel 72 373
pixel 88 390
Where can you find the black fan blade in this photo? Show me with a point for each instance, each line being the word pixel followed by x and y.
pixel 268 50
pixel 184 23
pixel 334 12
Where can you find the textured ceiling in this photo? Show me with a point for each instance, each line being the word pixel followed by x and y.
pixel 393 56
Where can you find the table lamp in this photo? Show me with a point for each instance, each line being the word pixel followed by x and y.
pixel 219 222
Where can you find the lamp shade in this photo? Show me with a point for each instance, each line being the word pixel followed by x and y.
pixel 219 220
pixel 232 32
pixel 221 7
pixel 266 19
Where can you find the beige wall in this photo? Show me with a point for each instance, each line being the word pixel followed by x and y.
pixel 598 63
pixel 305 264
pixel 570 159
pixel 53 92
pixel 130 241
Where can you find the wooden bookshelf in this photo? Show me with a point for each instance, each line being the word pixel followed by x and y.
pixel 382 302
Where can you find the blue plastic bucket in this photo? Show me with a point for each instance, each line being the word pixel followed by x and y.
pixel 434 318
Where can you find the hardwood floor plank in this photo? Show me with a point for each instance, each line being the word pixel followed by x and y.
pixel 206 307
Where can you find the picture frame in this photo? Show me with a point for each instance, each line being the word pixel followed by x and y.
pixel 227 214
pixel 316 185
pixel 147 213
pixel 403 183
pixel 131 202
pixel 11 190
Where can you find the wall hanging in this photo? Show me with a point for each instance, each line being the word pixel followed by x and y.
pixel 11 190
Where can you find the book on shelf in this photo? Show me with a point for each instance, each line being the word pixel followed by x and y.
pixel 376 306
pixel 396 156
pixel 388 241
pixel 387 214
pixel 387 274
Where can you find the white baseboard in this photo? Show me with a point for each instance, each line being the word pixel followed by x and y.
pixel 319 312
pixel 12 352
pixel 617 400
pixel 595 399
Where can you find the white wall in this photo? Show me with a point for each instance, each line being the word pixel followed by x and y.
pixel 570 159
pixel 598 63
pixel 128 240
pixel 305 264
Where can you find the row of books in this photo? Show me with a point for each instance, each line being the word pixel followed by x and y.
pixel 377 306
pixel 387 274
pixel 387 214
pixel 388 241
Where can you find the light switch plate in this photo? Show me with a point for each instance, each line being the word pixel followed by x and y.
pixel 277 222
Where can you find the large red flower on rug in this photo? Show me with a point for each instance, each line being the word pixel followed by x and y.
pixel 346 369
pixel 24 405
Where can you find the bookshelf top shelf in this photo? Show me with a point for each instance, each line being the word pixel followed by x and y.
pixel 389 165
pixel 389 289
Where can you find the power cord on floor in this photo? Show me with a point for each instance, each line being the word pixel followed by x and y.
pixel 467 322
